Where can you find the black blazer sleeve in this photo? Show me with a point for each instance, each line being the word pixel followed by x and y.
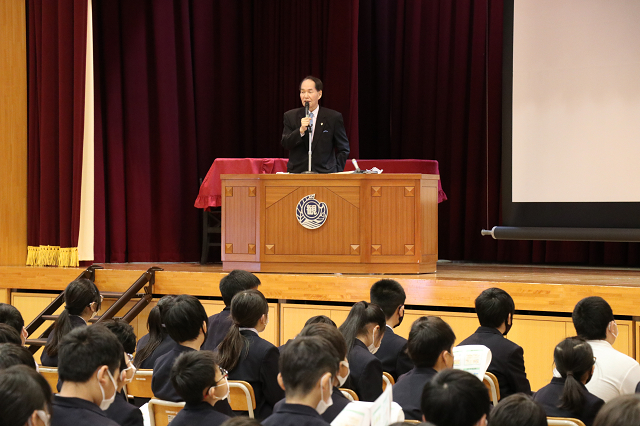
pixel 340 142
pixel 269 376
pixel 517 375
pixel 134 418
pixel 291 131
pixel 370 382
pixel 404 364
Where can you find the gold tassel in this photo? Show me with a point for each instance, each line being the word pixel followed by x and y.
pixel 52 256
pixel 68 257
pixel 32 255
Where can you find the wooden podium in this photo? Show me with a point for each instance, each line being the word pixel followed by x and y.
pixel 374 223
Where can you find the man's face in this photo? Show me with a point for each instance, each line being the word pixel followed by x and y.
pixel 308 93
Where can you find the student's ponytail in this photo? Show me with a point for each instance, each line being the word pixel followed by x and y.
pixel 247 308
pixel 78 295
pixel 573 358
pixel 157 332
pixel 361 315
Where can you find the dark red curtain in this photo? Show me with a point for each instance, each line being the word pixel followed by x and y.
pixel 57 33
pixel 180 83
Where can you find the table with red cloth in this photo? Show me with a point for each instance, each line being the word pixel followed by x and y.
pixel 211 191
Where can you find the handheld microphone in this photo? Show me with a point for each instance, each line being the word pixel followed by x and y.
pixel 306 109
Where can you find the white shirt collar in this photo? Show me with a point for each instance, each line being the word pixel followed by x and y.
pixel 248 328
pixel 315 111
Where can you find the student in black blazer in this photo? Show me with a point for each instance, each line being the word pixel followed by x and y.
pixel 247 356
pixel 431 349
pixel 25 396
pixel 329 146
pixel 363 331
pixel 390 296
pixel 567 396
pixel 518 410
pixel 157 342
pixel 201 384
pixel 230 285
pixel 82 301
pixel 495 309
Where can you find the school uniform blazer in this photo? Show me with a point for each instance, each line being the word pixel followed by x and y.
pixel 408 391
pixel 507 360
pixel 550 395
pixel 78 412
pixel 199 414
pixel 123 413
pixel 52 361
pixel 339 402
pixel 217 328
pixel 167 345
pixel 393 355
pixel 295 415
pixel 259 366
pixel 365 378
pixel 329 146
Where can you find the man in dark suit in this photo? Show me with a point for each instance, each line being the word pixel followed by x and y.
pixel 390 296
pixel 325 127
pixel 218 324
pixel 495 309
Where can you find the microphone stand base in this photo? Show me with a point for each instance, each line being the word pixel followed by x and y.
pixel 309 173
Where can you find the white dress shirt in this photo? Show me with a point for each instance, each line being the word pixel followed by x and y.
pixel 615 373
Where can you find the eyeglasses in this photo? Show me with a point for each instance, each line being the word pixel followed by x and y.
pixel 224 374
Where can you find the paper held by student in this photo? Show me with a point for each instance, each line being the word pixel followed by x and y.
pixel 382 412
pixel 474 359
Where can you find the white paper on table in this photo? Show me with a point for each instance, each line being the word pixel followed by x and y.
pixel 474 359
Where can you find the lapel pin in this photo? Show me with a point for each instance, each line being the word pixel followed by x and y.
pixel 321 124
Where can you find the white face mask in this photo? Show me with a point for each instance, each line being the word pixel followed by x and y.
pixel 106 403
pixel 228 390
pixel 341 379
pixel 615 335
pixel 43 416
pixel 322 404
pixel 372 347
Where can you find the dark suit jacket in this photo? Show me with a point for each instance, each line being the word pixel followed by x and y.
pixel 295 415
pixel 393 356
pixel 52 361
pixel 507 360
pixel 365 378
pixel 259 367
pixel 339 402
pixel 408 391
pixel 217 328
pixel 199 414
pixel 123 413
pixel 330 137
pixel 78 412
pixel 167 345
pixel 549 397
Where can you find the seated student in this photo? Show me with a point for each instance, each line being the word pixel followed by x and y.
pixel 14 354
pixel 331 334
pixel 230 285
pixel 615 373
pixel 89 368
pixel 247 356
pixel 9 335
pixel 430 347
pixel 390 296
pixel 567 396
pixel 620 411
pixel 455 398
pixel 157 342
pixel 11 316
pixel 25 396
pixel 82 302
pixel 307 368
pixel 318 319
pixel 200 383
pixel 121 411
pixel 363 330
pixel 495 309
pixel 518 410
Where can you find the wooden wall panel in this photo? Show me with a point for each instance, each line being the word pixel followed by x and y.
pixel 30 305
pixel 240 215
pixel 13 133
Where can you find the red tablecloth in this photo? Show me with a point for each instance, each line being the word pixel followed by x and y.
pixel 211 191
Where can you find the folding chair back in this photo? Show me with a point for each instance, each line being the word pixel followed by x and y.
pixel 491 382
pixel 241 396
pixel 349 394
pixel 140 386
pixel 162 412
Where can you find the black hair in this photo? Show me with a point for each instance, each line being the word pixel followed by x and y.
pixel 241 421
pixel 493 307
pixel 316 81
pixel 331 334
pixel 591 317
pixel 235 282
pixel 429 336
pixel 9 334
pixel 85 349
pixel 389 295
pixel 623 410
pixel 573 358
pixel 320 319
pixel 22 391
pixel 454 398
pixel 518 410
pixel 157 331
pixel 11 316
pixel 247 307
pixel 184 318
pixel 192 374
pixel 12 354
pixel 304 361
pixel 124 332
pixel 78 295
pixel 361 315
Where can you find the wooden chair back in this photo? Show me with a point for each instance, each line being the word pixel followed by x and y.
pixel 387 380
pixel 564 421
pixel 349 394
pixel 162 412
pixel 140 386
pixel 51 375
pixel 491 382
pixel 241 396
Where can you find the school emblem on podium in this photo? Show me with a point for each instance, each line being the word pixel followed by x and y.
pixel 311 213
